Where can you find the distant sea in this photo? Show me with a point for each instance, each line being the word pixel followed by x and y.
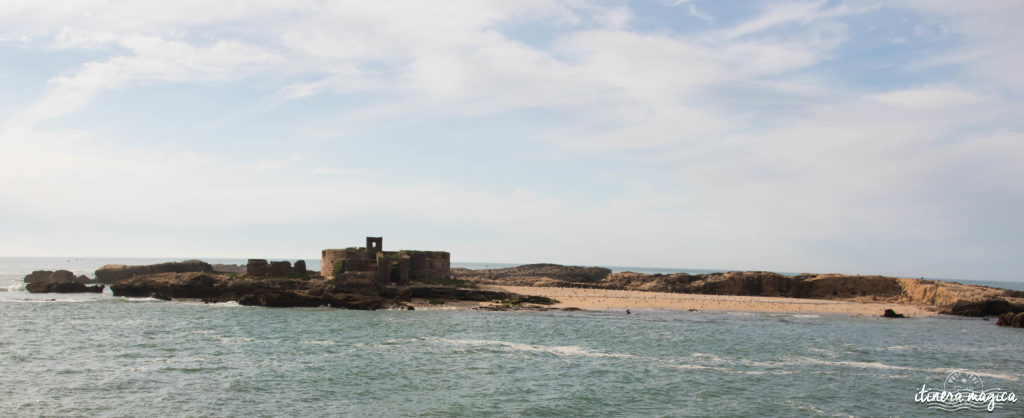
pixel 89 354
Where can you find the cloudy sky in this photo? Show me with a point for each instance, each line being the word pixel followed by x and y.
pixel 821 136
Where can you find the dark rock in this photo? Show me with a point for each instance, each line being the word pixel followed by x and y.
pixel 63 276
pixel 300 268
pixel 454 293
pixel 256 267
pixel 214 288
pixel 59 276
pixel 280 300
pixel 115 273
pixel 889 313
pixel 987 307
pixel 537 300
pixel 39 276
pixel 62 287
pixel 1011 319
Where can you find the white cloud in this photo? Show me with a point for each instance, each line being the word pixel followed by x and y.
pixel 699 14
pixel 929 97
pixel 153 60
pixel 789 12
pixel 741 150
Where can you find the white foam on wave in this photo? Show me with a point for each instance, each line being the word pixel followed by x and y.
pixel 883 366
pixel 49 300
pixel 18 287
pixel 715 359
pixel 140 300
pixel 239 340
pixel 810 361
pixel 563 350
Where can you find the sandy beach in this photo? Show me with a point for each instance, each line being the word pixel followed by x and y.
pixel 601 299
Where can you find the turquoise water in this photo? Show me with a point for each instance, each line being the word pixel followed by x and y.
pixel 100 355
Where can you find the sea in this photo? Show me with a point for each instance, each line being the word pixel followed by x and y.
pixel 99 355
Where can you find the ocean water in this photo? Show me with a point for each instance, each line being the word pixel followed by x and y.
pixel 100 355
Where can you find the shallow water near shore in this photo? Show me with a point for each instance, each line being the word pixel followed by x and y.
pixel 100 355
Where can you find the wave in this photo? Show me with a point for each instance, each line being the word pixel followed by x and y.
pixel 49 300
pixel 811 361
pixel 578 351
pixel 564 350
pixel 140 300
pixel 19 287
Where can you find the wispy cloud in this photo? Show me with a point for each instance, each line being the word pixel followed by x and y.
pixel 767 140
pixel 152 60
pixel 699 14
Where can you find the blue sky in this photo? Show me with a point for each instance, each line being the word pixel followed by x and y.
pixel 821 136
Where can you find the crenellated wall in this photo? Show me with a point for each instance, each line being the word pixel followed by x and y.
pixel 261 268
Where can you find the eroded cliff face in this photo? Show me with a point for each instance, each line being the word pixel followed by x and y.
pixel 933 295
pixel 537 271
pixel 113 273
pixel 946 294
pixel 276 292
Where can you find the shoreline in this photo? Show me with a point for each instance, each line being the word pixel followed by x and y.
pixel 603 299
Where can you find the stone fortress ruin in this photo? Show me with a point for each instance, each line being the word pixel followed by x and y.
pixel 373 264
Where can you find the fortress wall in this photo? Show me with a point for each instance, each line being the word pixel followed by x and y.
pixel 429 264
pixel 354 259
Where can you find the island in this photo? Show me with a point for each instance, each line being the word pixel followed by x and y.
pixel 370 278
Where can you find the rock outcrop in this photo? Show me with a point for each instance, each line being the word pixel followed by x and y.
pixel 293 292
pixel 533 272
pixel 59 276
pixel 62 287
pixel 114 273
pixel 250 291
pixel 945 297
pixel 983 307
pixel 1011 319
pixel 889 313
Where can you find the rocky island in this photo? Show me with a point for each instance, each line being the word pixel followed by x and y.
pixel 371 278
pixel 921 295
pixel 352 278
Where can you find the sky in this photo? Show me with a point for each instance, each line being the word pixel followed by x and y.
pixel 862 137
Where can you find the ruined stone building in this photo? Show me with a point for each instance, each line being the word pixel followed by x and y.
pixel 373 263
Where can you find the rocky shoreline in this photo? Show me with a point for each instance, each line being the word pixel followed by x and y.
pixel 198 280
pixel 941 297
pixel 195 279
